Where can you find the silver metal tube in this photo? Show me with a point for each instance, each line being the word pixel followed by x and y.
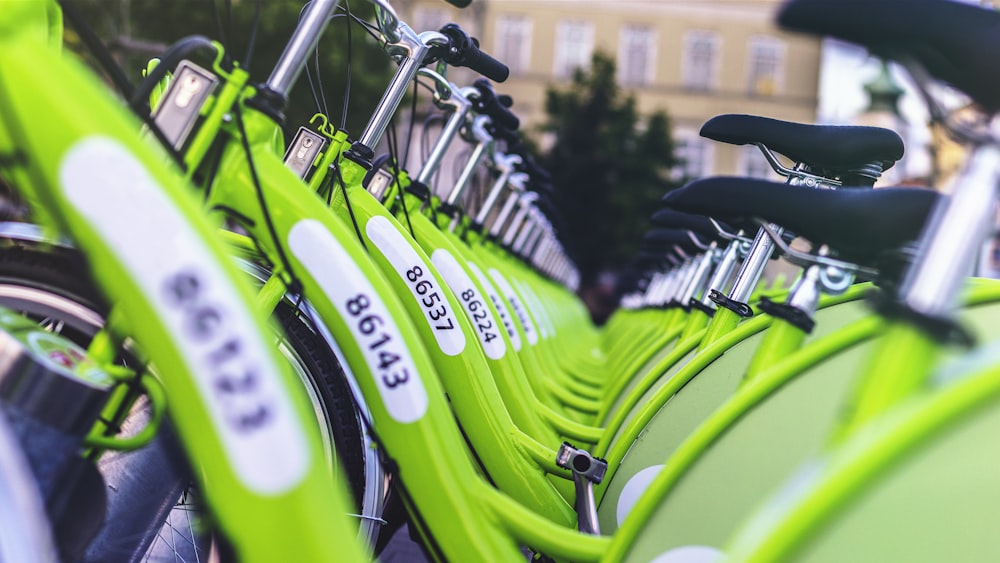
pixel 484 141
pixel 527 231
pixel 412 48
pixel 806 292
pixel 952 237
pixel 683 281
pixel 649 297
pixel 302 43
pixel 722 272
pixel 701 271
pixel 451 128
pixel 753 266
pixel 379 121
pixel 532 241
pixel 508 207
pixel 524 202
pixel 506 166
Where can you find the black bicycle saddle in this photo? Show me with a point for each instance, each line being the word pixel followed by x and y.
pixel 838 147
pixel 860 224
pixel 957 43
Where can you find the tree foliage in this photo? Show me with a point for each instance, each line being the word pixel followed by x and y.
pixel 135 29
pixel 609 166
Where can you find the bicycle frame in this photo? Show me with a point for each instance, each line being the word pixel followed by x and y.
pixel 246 429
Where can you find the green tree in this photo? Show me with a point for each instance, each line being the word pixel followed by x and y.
pixel 609 166
pixel 137 30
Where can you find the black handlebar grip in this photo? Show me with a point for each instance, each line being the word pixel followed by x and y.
pixel 511 136
pixel 489 103
pixel 503 116
pixel 485 65
pixel 464 51
pixel 459 3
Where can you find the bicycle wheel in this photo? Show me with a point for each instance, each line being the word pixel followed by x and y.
pixel 49 284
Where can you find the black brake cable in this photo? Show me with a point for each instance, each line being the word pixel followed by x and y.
pixel 319 81
pixel 252 39
pixel 101 52
pixel 347 202
pixel 347 79
pixel 229 24
pixel 219 30
pixel 293 282
pixel 97 48
pixel 394 154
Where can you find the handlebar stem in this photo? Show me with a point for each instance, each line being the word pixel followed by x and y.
pixel 515 182
pixel 523 203
pixel 412 50
pixel 304 39
pixel 484 142
pixel 531 223
pixel 723 271
pixel 504 163
pixel 460 111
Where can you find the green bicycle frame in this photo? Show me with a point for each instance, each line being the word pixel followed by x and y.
pixel 233 400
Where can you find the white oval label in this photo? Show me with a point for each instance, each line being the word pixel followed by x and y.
pixel 691 554
pixel 198 304
pixel 633 490
pixel 421 281
pixel 520 313
pixel 545 325
pixel 498 303
pixel 476 309
pixel 366 315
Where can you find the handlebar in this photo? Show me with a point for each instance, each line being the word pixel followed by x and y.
pixel 464 51
pixel 490 104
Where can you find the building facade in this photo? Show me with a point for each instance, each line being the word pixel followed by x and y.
pixel 693 58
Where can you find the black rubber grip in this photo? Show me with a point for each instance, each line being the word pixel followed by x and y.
pixel 502 116
pixel 489 103
pixel 459 3
pixel 486 65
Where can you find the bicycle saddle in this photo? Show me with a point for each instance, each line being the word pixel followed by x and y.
pixel 860 224
pixel 665 240
pixel 699 224
pixel 956 43
pixel 838 147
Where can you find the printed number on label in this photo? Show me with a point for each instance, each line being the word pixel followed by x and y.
pixel 479 314
pixel 425 286
pixel 368 325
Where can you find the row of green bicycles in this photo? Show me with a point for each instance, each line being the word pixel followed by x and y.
pixel 217 343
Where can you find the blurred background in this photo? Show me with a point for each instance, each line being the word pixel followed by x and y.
pixel 611 93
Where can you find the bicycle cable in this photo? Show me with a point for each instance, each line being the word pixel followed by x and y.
pixel 97 48
pixel 293 282
pixel 252 38
pixel 217 20
pixel 347 78
pixel 394 157
pixel 347 201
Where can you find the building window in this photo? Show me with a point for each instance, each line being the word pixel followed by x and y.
pixel 429 19
pixel 701 59
pixel 636 53
pixel 753 164
pixel 513 43
pixel 574 46
pixel 696 156
pixel 766 66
